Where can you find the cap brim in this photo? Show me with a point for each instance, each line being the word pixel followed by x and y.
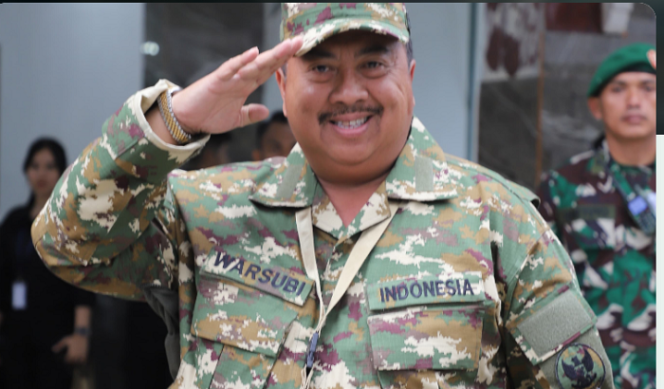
pixel 316 35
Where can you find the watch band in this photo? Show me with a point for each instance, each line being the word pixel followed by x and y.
pixel 83 331
pixel 166 110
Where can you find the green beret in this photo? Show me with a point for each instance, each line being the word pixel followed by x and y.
pixel 632 58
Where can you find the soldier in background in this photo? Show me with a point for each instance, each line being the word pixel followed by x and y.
pixel 274 138
pixel 602 207
pixel 367 258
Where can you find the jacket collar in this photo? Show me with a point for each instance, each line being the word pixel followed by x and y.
pixel 598 164
pixel 420 173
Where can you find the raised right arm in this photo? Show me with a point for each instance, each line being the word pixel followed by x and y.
pixel 111 225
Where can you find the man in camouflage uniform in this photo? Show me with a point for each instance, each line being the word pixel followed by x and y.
pixel 602 207
pixel 464 286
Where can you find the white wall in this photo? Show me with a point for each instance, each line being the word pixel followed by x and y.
pixel 440 43
pixel 441 37
pixel 272 21
pixel 64 69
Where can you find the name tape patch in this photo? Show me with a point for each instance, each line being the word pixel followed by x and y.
pixel 275 280
pixel 443 288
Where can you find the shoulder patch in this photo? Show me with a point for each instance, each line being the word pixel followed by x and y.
pixel 580 367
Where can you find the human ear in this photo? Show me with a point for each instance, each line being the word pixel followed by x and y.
pixel 595 107
pixel 281 81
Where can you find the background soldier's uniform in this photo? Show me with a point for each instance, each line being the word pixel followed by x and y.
pixel 604 213
pixel 613 257
pixel 467 287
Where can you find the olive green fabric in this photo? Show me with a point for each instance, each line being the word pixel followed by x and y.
pixel 561 319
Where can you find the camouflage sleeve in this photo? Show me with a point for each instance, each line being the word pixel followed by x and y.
pixel 547 207
pixel 111 225
pixel 551 340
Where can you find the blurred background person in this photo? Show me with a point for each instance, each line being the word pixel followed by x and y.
pixel 216 152
pixel 274 138
pixel 602 207
pixel 44 322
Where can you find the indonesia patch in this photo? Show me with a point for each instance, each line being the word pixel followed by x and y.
pixel 580 367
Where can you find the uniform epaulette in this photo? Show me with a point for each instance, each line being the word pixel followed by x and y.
pixel 520 191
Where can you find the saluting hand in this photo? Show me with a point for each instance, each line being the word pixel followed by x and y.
pixel 215 103
pixel 652 57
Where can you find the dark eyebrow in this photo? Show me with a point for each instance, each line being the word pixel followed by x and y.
pixel 623 83
pixel 375 49
pixel 317 53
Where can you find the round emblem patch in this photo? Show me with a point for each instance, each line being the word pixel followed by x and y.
pixel 580 367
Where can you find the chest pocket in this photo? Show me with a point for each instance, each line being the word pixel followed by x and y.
pixel 434 327
pixel 242 313
pixel 591 238
pixel 591 226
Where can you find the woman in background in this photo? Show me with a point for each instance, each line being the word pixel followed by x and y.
pixel 44 322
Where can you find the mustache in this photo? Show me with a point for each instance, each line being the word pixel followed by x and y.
pixel 325 116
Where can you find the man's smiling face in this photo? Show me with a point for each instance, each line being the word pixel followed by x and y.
pixel 349 102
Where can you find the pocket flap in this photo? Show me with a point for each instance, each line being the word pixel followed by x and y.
pixel 592 225
pixel 439 339
pixel 247 305
pixel 465 287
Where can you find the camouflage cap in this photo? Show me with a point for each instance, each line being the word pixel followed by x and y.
pixel 630 58
pixel 319 21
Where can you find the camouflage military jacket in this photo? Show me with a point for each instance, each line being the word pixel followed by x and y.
pixel 614 259
pixel 467 287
